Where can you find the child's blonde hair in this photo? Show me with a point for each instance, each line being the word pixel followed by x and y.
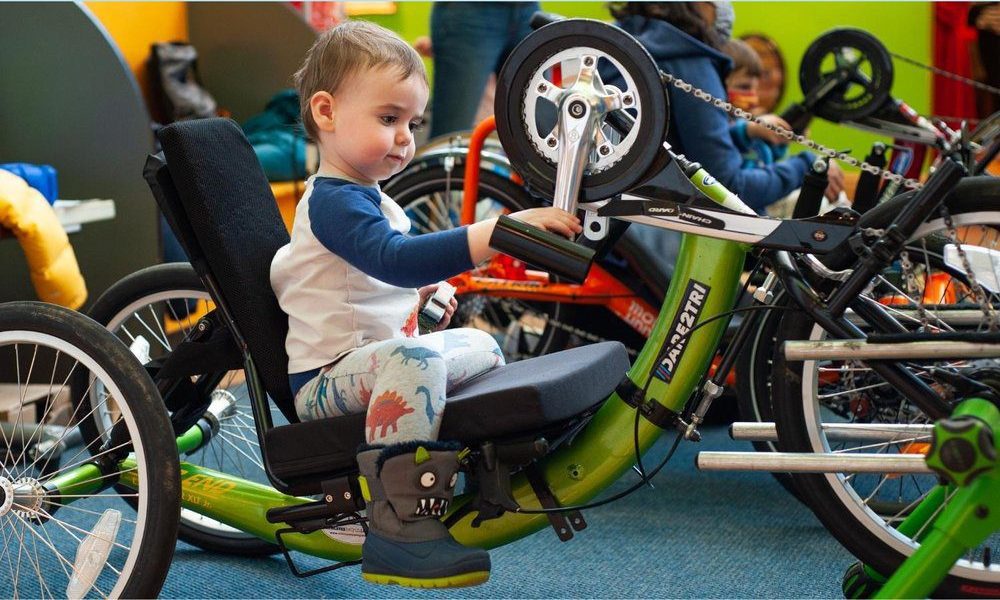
pixel 345 49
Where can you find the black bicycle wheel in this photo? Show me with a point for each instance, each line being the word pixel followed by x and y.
pixel 754 391
pixel 431 196
pixel 46 346
pixel 862 510
pixel 526 110
pixel 151 311
pixel 869 66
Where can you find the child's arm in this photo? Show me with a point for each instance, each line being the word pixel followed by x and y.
pixel 348 222
pixel 757 131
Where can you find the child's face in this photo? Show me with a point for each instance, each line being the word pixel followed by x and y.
pixel 368 132
pixel 742 89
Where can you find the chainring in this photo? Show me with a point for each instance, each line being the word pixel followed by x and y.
pixel 870 73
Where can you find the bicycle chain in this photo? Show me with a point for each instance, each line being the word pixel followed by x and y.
pixel 508 304
pixel 984 303
pixel 789 135
pixel 911 288
pixel 947 74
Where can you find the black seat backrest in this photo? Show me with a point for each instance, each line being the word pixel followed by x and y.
pixel 219 204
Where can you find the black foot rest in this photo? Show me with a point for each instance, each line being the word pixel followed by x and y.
pixel 519 398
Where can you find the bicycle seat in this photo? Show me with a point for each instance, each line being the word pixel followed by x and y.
pixel 530 397
pixel 216 198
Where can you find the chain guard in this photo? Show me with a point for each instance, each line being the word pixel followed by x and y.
pixel 512 87
pixel 865 93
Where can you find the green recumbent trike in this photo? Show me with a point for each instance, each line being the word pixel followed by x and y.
pixel 545 435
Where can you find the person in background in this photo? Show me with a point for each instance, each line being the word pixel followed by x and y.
pixel 469 42
pixel 760 146
pixel 686 40
pixel 985 17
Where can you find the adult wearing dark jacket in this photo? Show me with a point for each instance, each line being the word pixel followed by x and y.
pixel 683 39
pixel 697 129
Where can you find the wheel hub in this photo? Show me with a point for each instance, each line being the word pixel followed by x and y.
pixel 23 497
pixel 6 496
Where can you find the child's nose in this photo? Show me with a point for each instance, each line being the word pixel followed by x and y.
pixel 404 135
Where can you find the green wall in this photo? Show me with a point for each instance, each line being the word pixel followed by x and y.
pixel 904 28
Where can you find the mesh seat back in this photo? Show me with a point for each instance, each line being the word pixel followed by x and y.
pixel 228 208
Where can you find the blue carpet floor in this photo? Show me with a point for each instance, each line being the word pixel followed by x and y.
pixel 697 535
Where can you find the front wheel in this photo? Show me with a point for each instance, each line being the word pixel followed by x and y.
pixel 67 533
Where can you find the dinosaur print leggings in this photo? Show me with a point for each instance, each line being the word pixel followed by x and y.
pixel 402 383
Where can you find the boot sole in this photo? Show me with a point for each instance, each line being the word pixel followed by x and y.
pixel 452 581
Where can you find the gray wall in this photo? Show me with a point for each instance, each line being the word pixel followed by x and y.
pixel 69 100
pixel 247 51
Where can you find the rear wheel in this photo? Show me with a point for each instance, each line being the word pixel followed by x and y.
pixel 863 511
pixel 152 311
pixel 64 534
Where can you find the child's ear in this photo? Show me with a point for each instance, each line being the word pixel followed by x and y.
pixel 322 106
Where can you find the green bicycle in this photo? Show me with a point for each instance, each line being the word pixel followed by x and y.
pixel 546 435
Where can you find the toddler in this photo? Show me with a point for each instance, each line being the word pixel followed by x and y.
pixel 759 145
pixel 352 282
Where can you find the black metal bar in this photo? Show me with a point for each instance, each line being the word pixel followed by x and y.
pixel 885 250
pixel 899 377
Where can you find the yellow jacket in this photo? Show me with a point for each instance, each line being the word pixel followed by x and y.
pixel 51 261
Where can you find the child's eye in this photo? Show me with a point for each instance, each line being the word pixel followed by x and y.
pixel 417 125
pixel 389 119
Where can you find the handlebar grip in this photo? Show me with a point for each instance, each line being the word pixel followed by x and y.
pixel 541 19
pixel 541 249
pixel 797 117
pixel 866 193
pixel 811 195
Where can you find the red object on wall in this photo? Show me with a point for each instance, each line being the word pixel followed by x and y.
pixel 952 39
pixel 321 15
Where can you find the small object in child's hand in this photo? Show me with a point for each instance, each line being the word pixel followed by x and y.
pixel 434 309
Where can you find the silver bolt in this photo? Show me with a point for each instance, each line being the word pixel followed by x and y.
pixel 605 150
pixel 347 495
pixel 588 61
pixel 627 99
pixel 551 142
pixel 542 87
pixel 329 498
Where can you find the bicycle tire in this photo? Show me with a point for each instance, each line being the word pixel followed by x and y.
pixel 161 285
pixel 861 529
pixel 142 573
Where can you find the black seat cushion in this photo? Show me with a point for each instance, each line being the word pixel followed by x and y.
pixel 522 397
pixel 225 212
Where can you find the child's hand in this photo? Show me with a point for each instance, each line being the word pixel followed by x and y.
pixel 755 130
pixel 835 179
pixel 551 219
pixel 548 218
pixel 426 292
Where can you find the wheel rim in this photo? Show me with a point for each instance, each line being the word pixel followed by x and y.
pixel 71 519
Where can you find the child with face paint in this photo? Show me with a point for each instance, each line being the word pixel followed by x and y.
pixel 760 146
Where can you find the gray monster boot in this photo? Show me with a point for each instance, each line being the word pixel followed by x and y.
pixel 408 488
